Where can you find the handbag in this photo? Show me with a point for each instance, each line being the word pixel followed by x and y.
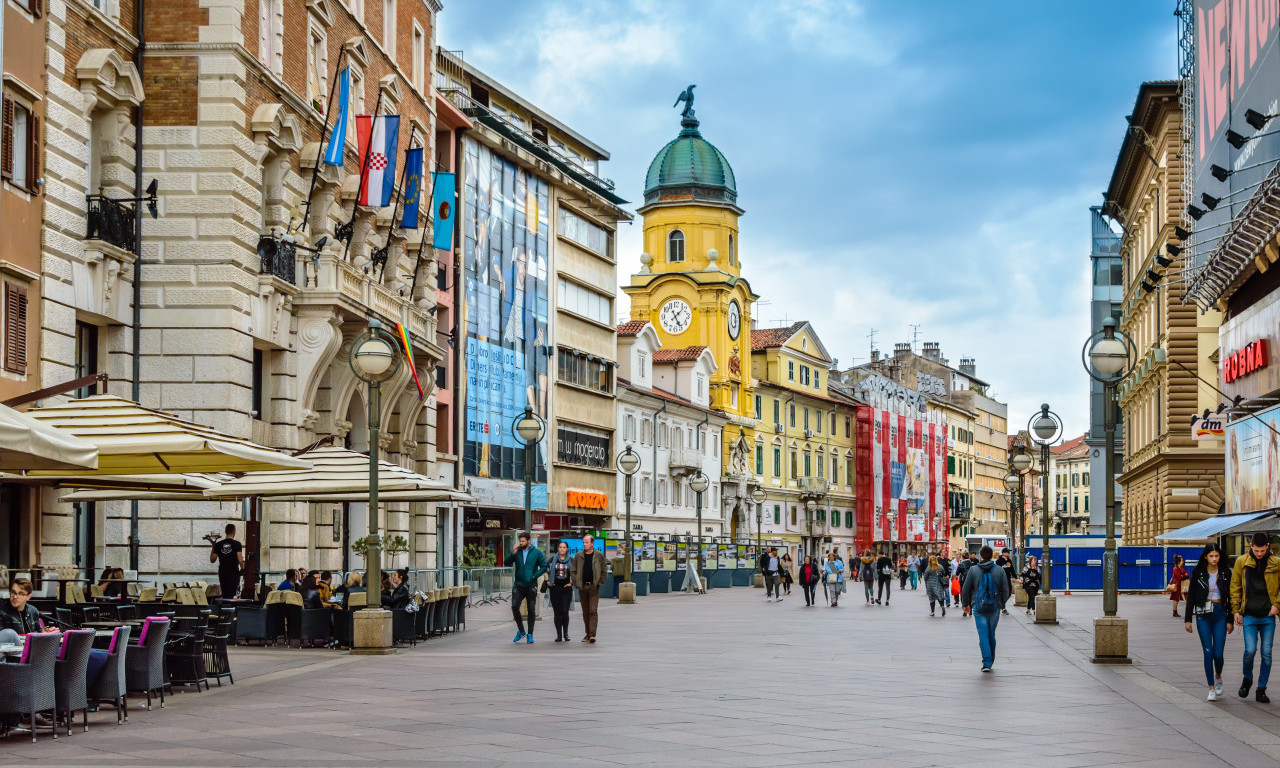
pixel 833 578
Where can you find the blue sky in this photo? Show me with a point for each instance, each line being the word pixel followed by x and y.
pixel 901 162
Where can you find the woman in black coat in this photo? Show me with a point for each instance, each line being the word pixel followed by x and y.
pixel 1209 606
pixel 810 575
pixel 1031 582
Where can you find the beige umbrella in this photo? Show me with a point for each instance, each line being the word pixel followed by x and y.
pixel 26 444
pixel 133 440
pixel 336 474
pixel 187 487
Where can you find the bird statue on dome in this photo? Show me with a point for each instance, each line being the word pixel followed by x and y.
pixel 687 97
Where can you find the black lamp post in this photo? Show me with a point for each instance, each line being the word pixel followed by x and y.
pixel 628 463
pixel 529 427
pixel 1045 429
pixel 1019 463
pixel 699 483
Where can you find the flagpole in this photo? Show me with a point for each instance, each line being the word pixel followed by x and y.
pixel 418 264
pixel 346 230
pixel 328 108
pixel 381 253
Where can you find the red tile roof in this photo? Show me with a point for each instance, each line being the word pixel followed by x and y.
pixel 1072 449
pixel 631 327
pixel 678 355
pixel 765 338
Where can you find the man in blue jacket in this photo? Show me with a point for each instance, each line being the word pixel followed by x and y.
pixel 529 563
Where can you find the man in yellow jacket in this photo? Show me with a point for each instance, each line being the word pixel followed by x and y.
pixel 1255 592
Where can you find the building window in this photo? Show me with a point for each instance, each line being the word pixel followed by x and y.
pixel 419 57
pixel 759 407
pixel 777 514
pixel 584 370
pixel 15 328
pixel 583 301
pixel 808 471
pixel 86 356
pixel 848 428
pixel 389 27
pixel 848 519
pixel 791 370
pixel 804 375
pixel 675 246
pixel 777 462
pixel 1084 479
pixel 664 435
pixel 702 386
pixel 257 381
pixel 792 414
pixel 20 149
pixel 817 421
pixel 642 365
pixel 317 68
pixel 817 379
pixel 833 423
pixel 777 416
pixel 835 468
pixel 677 494
pixel 795 463
pixel 822 463
pixel 646 432
pixel 759 459
pixel 733 252
pixel 589 235
pixel 733 398
pixel 806 419
pixel 848 472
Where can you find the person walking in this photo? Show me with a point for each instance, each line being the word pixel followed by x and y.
pixel 588 575
pixel 884 575
pixel 984 592
pixel 902 571
pixel 948 572
pixel 866 573
pixel 810 574
pixel 559 585
pixel 914 565
pixel 784 574
pixel 1005 561
pixel 834 571
pixel 769 565
pixel 1031 583
pixel 528 563
pixel 962 570
pixel 229 555
pixel 1176 578
pixel 936 584
pixel 1255 597
pixel 1209 602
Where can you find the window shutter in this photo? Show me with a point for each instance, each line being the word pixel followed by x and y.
pixel 6 141
pixel 37 8
pixel 33 154
pixel 15 328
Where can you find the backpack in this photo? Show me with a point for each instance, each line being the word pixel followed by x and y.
pixel 987 598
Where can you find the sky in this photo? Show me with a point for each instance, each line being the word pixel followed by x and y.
pixel 922 163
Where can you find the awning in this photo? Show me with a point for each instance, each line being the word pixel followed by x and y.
pixel 337 474
pixel 134 440
pixel 27 444
pixel 185 487
pixel 1213 527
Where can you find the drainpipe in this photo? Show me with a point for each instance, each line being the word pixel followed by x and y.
pixel 654 498
pixel 139 13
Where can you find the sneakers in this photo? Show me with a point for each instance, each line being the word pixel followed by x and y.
pixel 1217 687
pixel 986 668
pixel 1213 695
pixel 529 639
pixel 944 610
pixel 777 600
pixel 768 599
pixel 1244 689
pixel 1261 696
pixel 520 636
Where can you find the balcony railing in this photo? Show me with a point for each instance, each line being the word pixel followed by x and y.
pixel 685 461
pixel 112 222
pixel 813 486
pixel 279 258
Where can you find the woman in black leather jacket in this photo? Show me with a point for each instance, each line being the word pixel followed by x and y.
pixel 1209 606
pixel 398 597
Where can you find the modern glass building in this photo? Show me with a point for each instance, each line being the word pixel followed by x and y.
pixel 1107 294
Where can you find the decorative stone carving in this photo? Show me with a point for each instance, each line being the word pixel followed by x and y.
pixel 340 428
pixel 107 80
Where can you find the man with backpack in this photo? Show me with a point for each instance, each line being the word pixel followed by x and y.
pixel 984 593
pixel 884 578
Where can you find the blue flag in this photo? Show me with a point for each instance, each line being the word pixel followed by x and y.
pixel 442 203
pixel 412 187
pixel 338 139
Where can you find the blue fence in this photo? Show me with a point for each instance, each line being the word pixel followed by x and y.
pixel 1141 568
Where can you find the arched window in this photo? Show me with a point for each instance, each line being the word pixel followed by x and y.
pixel 733 252
pixel 675 246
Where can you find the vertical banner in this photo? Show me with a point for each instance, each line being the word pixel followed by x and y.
pixel 338 139
pixel 442 195
pixel 412 188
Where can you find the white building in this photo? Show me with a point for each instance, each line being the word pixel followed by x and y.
pixel 664 415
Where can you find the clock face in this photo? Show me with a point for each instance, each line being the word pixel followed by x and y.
pixel 735 320
pixel 675 316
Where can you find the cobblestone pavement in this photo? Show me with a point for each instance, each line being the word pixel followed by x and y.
pixel 720 679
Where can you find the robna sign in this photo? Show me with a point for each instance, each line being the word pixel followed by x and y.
pixel 1251 358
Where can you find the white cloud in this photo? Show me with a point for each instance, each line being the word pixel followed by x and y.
pixel 828 28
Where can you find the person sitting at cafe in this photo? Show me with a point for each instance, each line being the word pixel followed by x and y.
pixel 290 578
pixel 17 617
pixel 310 590
pixel 112 583
pixel 398 596
pixel 354 584
pixel 326 590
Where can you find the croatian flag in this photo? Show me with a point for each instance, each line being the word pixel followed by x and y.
pixel 377 137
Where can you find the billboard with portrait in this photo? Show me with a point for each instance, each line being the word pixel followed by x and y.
pixel 505 234
pixel 1253 463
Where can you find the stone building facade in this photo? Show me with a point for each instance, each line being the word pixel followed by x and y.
pixel 241 327
pixel 1168 479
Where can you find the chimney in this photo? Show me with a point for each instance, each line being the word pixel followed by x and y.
pixel 968 367
pixel 933 351
pixel 901 349
pixel 875 355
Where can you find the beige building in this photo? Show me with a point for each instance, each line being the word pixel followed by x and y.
pixel 1169 479
pixel 1070 468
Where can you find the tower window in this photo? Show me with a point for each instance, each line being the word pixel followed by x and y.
pixel 733 252
pixel 675 246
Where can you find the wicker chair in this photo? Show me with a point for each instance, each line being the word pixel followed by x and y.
pixel 439 610
pixel 216 663
pixel 71 675
pixel 184 658
pixel 29 686
pixel 110 685
pixel 144 662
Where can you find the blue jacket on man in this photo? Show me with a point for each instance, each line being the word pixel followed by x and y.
pixel 528 564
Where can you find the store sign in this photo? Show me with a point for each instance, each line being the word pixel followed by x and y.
pixel 1212 428
pixel 1252 358
pixel 585 449
pixel 505 493
pixel 588 500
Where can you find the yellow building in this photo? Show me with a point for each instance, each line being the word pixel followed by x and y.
pixel 690 286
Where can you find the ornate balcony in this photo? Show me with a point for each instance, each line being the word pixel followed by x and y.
pixel 279 259
pixel 684 461
pixel 112 222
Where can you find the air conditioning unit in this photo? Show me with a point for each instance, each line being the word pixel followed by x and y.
pixel 777 427
pixel 808 433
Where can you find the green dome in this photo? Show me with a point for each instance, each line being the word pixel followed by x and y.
pixel 690 165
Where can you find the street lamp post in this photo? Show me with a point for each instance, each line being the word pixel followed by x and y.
pixel 758 496
pixel 1108 356
pixel 699 483
pixel 809 506
pixel 628 464
pixel 374 358
pixel 1021 462
pixel 529 427
pixel 1045 429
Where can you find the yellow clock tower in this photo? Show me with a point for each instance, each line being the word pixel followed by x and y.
pixel 690 284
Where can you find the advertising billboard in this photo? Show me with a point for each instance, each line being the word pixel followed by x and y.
pixel 505 254
pixel 1253 463
pixel 902 462
pixel 1237 68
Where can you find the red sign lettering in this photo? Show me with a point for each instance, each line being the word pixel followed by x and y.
pixel 1252 358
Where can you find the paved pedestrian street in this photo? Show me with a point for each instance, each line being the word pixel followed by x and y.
pixel 721 679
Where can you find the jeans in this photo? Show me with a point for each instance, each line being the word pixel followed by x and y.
pixel 986 622
pixel 1258 632
pixel 771 584
pixel 529 596
pixel 869 587
pixel 886 586
pixel 1212 628
pixel 809 593
pixel 914 578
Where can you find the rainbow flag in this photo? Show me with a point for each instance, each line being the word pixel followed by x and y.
pixel 403 335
